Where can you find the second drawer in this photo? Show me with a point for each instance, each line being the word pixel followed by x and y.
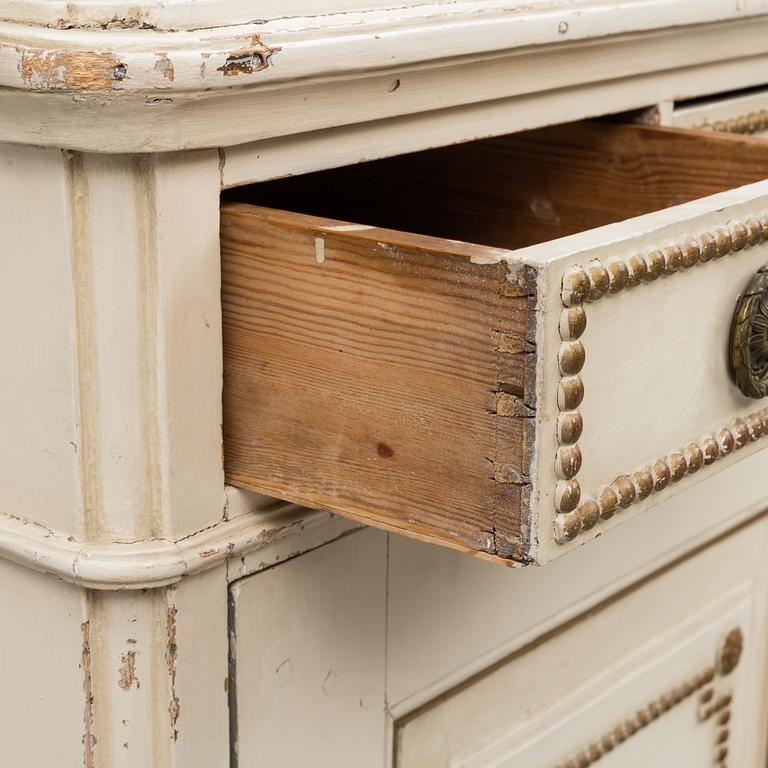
pixel 506 347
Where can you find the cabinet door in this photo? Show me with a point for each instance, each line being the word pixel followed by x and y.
pixel 669 674
pixel 308 661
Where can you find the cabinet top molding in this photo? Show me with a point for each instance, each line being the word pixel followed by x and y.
pixel 117 77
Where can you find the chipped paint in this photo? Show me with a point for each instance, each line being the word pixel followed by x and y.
pixel 171 654
pixel 70 70
pixel 89 740
pixel 135 17
pixel 246 61
pixel 164 66
pixel 128 671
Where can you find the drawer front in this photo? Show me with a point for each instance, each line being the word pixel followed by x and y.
pixel 670 674
pixel 745 114
pixel 511 403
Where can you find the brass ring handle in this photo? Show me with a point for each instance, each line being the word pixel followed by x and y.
pixel 748 357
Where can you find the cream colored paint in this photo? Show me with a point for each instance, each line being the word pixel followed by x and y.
pixel 246 543
pixel 198 671
pixel 558 697
pixel 41 665
pixel 612 431
pixel 326 148
pixel 715 110
pixel 40 445
pixel 427 583
pixel 310 680
pixel 145 272
pixel 110 289
pixel 305 13
pixel 310 85
pixel 189 340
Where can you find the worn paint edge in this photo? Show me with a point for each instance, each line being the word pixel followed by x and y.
pixel 152 563
pixel 101 61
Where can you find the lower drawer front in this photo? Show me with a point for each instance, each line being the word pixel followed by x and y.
pixel 516 399
pixel 671 674
pixel 744 114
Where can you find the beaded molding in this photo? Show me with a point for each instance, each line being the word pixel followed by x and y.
pixel 574 512
pixel 709 706
pixel 749 123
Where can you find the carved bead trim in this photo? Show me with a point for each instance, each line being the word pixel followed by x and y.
pixel 709 706
pixel 752 122
pixel 640 719
pixel 729 653
pixel 577 512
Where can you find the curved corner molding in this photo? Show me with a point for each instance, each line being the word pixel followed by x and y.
pixel 146 564
pixel 575 511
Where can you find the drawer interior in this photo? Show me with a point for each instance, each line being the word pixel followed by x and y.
pixel 385 355
pixel 526 188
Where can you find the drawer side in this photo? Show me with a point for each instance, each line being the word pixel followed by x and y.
pixel 384 376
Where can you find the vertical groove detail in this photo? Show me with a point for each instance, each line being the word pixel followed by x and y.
pixel 148 345
pixel 86 357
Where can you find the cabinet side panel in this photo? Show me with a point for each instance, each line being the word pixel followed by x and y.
pixel 45 711
pixel 39 441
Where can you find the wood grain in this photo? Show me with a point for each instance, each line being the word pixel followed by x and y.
pixel 368 383
pixel 526 188
pixel 389 376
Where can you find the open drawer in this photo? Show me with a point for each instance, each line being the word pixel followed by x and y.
pixel 517 396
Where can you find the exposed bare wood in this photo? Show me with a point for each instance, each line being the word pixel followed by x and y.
pixel 390 377
pixel 525 188
pixel 363 373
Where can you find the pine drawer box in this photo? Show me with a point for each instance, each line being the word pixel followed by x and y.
pixel 506 347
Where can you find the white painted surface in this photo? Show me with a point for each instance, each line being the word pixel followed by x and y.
pixel 189 340
pixel 304 13
pixel 340 70
pixel 559 696
pixel 130 683
pixel 201 665
pixel 318 149
pixel 656 375
pixel 310 639
pixel 635 364
pixel 132 378
pixel 39 442
pixel 711 111
pixel 245 544
pixel 150 343
pixel 42 701
pixel 483 613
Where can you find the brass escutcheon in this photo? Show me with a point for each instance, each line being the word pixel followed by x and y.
pixel 748 358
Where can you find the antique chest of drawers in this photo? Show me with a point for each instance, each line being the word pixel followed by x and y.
pixel 315 318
